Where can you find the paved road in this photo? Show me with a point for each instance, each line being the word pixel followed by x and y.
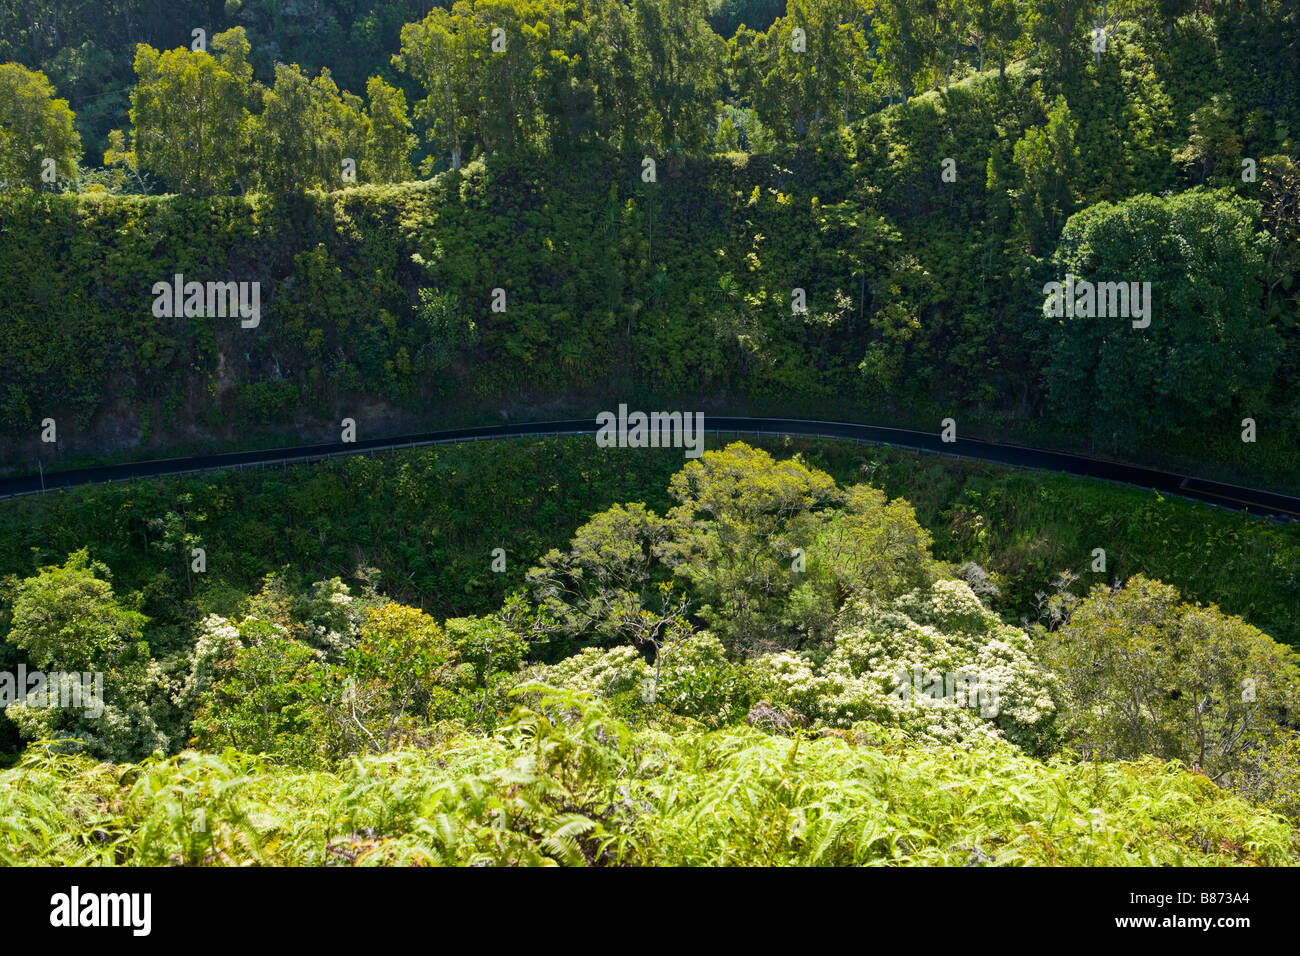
pixel 1227 496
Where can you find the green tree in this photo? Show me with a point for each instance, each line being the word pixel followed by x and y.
pixel 815 87
pixel 772 549
pixel 611 68
pixel 402 667
pixel 438 54
pixel 996 28
pixel 389 140
pixel 1214 143
pixel 1281 218
pixel 1059 27
pixel 1144 673
pixel 35 126
pixel 106 696
pixel 608 587
pixel 683 62
pixel 67 617
pixel 304 132
pixel 259 700
pixel 1209 342
pixel 1048 176
pixel 900 54
pixel 189 114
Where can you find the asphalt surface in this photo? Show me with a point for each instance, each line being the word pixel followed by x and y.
pixel 1233 497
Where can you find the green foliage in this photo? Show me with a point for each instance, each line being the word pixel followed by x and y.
pixel 257 701
pixel 1144 673
pixel 67 617
pixel 1048 165
pixel 389 683
pixel 35 126
pixel 567 784
pixel 304 131
pixel 607 588
pixel 770 549
pixel 189 114
pixel 103 694
pixel 1209 349
pixel 809 84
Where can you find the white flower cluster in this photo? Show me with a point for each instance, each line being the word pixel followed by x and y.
pixel 216 635
pixel 333 618
pixel 942 637
pixel 601 672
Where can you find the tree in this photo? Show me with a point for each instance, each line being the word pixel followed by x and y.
pixel 1058 27
pixel 389 140
pixel 1214 143
pixel 817 87
pixel 606 588
pixel 1208 342
pixel 189 114
pixel 1281 218
pixel 1047 163
pixel 996 25
pixel 34 126
pixel 104 694
pixel 67 617
pixel 437 53
pixel 607 42
pixel 305 131
pixel 259 700
pixel 900 58
pixel 1144 673
pixel 399 669
pixel 683 61
pixel 771 550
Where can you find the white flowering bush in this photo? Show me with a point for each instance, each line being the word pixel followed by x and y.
pixel 332 618
pixel 126 720
pixel 217 636
pixel 788 678
pixel 601 672
pixel 934 662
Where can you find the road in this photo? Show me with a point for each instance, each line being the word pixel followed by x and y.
pixel 1233 497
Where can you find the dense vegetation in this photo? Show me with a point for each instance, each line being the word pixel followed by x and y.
pixel 585 790
pixel 746 629
pixel 548 652
pixel 922 289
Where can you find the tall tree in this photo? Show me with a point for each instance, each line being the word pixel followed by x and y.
pixel 189 113
pixel 811 80
pixel 438 53
pixel 1047 185
pixel 684 60
pixel 995 29
pixel 1207 342
pixel 35 125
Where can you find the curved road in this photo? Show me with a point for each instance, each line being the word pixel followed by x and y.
pixel 1227 496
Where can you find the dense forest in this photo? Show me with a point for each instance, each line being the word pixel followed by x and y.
pixel 863 228
pixel 1068 224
